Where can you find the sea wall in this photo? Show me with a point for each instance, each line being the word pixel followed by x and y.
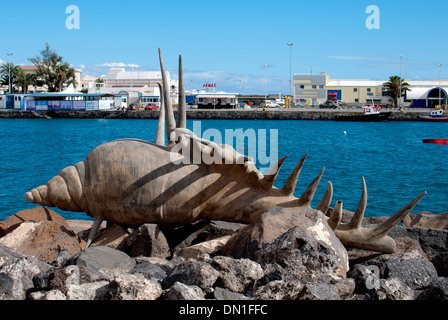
pixel 288 114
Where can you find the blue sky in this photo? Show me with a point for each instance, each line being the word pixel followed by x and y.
pixel 229 42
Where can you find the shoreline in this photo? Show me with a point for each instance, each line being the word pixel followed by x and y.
pixel 223 114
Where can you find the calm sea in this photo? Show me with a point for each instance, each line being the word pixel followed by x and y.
pixel 396 164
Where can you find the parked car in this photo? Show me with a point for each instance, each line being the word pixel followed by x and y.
pixel 151 106
pixel 329 105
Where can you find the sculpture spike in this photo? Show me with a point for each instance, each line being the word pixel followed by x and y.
pixel 324 204
pixel 356 221
pixel 270 177
pixel 182 109
pixel 169 115
pixel 291 182
pixel 308 195
pixel 336 216
pixel 96 225
pixel 385 227
pixel 160 135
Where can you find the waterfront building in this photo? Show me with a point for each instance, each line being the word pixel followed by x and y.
pixel 203 99
pixel 136 84
pixel 313 90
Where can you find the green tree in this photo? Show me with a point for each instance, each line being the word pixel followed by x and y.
pixel 53 70
pixel 393 88
pixel 8 69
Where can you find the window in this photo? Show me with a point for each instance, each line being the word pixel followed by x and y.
pixel 356 100
pixel 355 89
pixel 302 86
pixel 314 86
pixel 321 86
pixel 369 90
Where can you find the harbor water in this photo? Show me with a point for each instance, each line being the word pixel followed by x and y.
pixel 396 164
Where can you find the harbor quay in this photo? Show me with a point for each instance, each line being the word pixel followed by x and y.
pixel 406 114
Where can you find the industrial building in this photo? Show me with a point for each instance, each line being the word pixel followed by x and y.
pixel 313 90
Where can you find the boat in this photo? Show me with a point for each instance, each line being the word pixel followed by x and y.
pixel 370 113
pixel 436 141
pixel 434 116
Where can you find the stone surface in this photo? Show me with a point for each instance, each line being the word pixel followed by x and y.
pixel 181 291
pixel 166 265
pixel 432 241
pixel 300 254
pixel 363 277
pixel 440 262
pixel 412 269
pixel 48 295
pixel 394 289
pixel 46 239
pixel 211 247
pixel 149 271
pixel 318 291
pixel 426 220
pixel 37 214
pixel 279 290
pixel 134 287
pixel 112 237
pixel 21 272
pixel 148 240
pixel 236 274
pixel 104 258
pixel 269 226
pixel 225 294
pixel 8 255
pixel 195 273
pixel 439 289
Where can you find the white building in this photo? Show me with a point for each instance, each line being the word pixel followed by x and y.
pixel 135 84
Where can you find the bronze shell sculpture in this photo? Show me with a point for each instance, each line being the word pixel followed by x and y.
pixel 132 182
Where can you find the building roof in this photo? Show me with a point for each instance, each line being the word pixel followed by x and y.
pixel 421 93
pixel 354 83
pixel 137 75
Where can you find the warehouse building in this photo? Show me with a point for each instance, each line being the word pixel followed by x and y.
pixel 313 90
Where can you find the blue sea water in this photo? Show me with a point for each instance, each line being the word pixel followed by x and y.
pixel 396 164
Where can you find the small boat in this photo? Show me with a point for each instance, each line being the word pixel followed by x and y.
pixel 436 141
pixel 435 116
pixel 370 113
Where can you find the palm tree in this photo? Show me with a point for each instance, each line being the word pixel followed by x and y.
pixel 393 88
pixel 18 77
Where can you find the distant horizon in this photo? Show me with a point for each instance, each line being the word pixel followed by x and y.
pixel 230 44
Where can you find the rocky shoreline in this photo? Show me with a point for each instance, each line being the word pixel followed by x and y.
pixel 281 256
pixel 227 114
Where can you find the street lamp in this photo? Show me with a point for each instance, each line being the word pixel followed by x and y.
pixel 290 68
pixel 401 58
pixel 440 80
pixel 9 72
pixel 265 83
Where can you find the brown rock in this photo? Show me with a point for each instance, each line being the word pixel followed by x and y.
pixel 209 247
pixel 149 241
pixel 426 220
pixel 112 237
pixel 36 214
pixel 272 224
pixel 45 239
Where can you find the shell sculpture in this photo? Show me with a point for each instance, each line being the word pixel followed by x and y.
pixel 131 182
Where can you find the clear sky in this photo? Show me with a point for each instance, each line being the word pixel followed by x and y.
pixel 229 42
